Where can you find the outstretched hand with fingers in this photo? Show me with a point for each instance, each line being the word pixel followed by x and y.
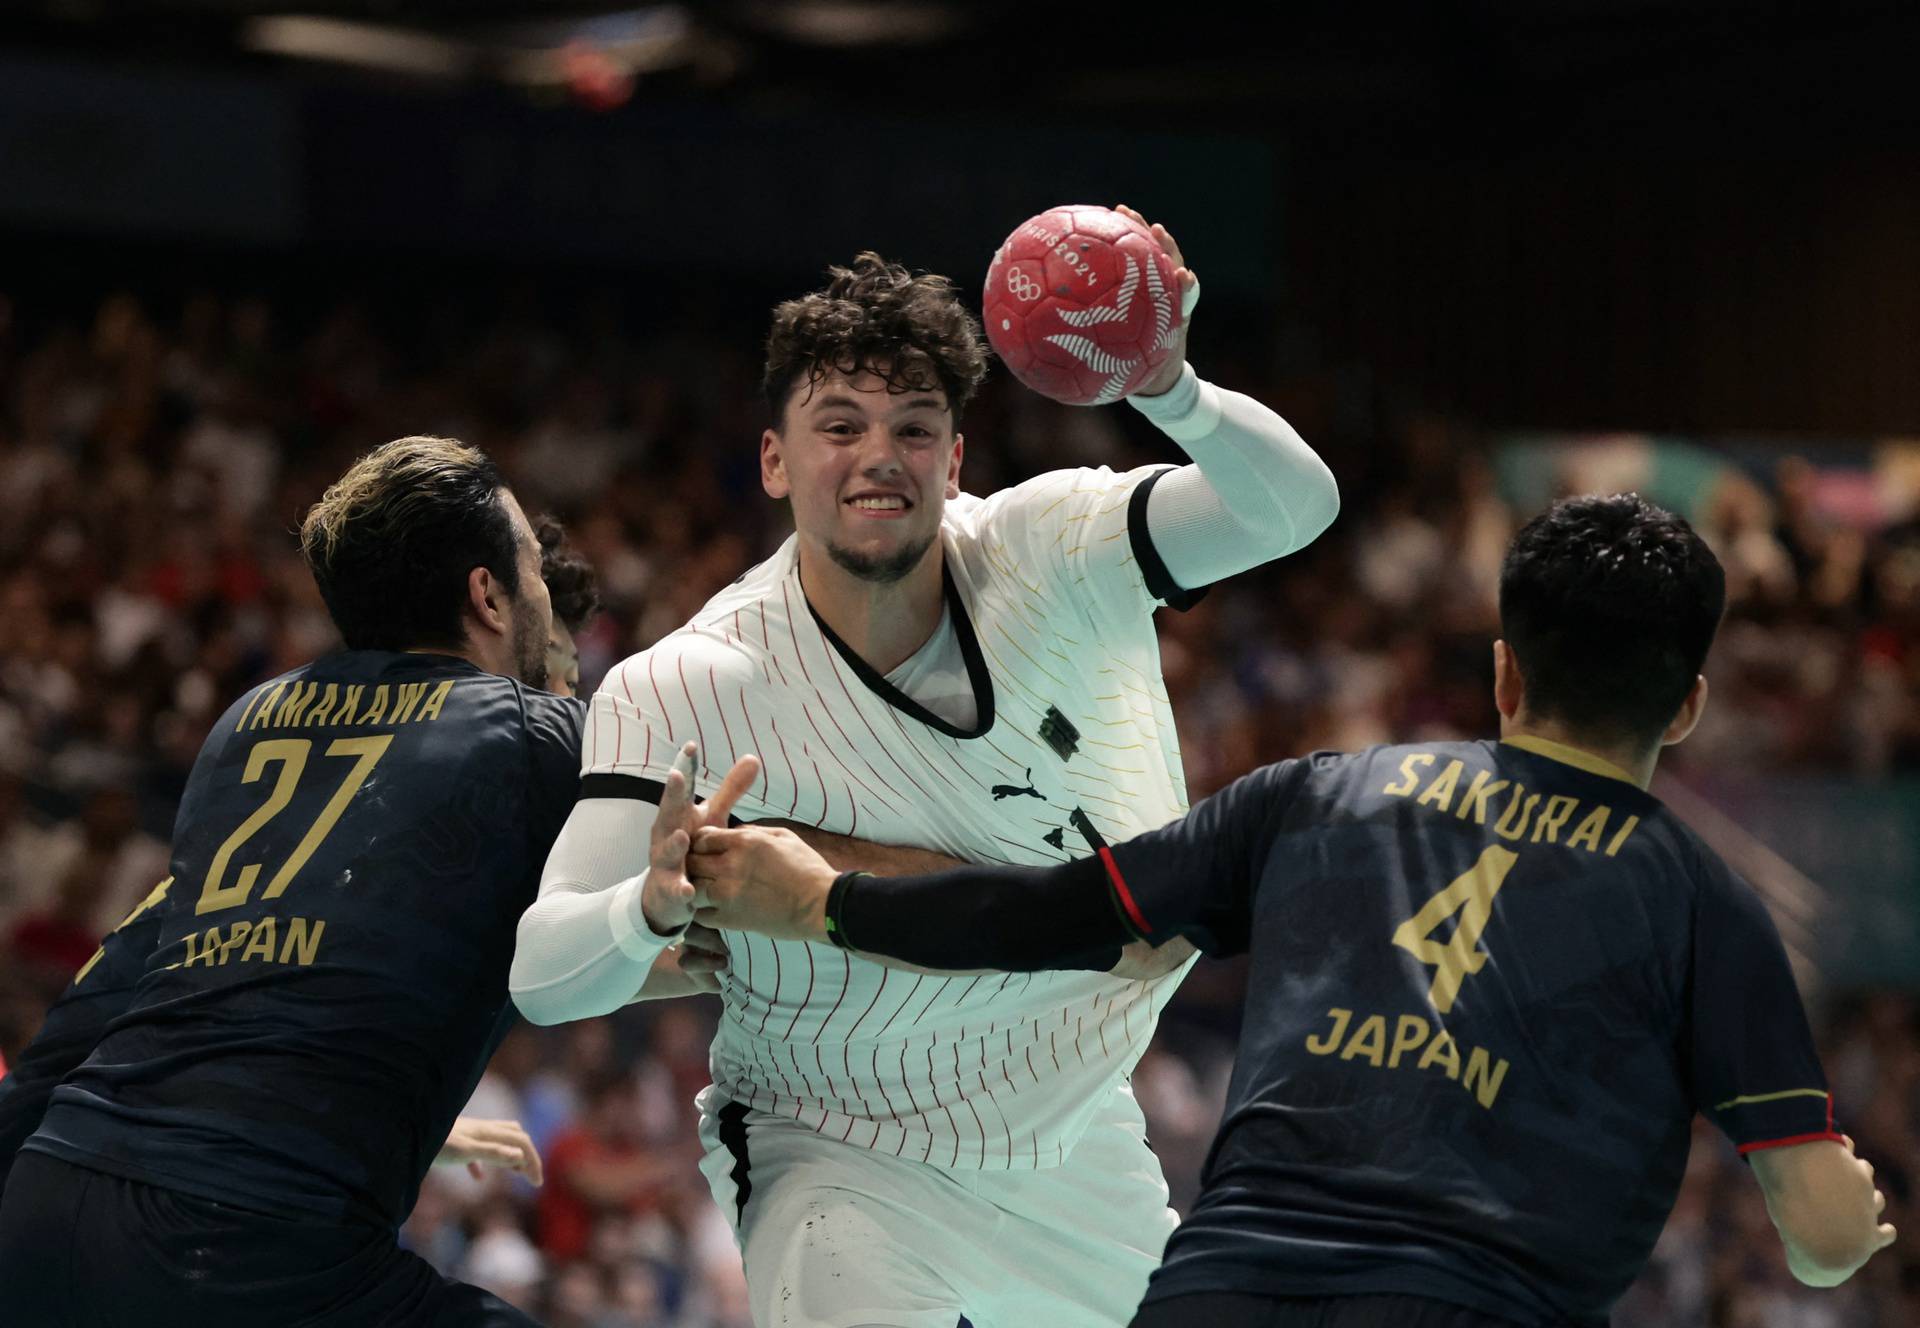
pixel 667 898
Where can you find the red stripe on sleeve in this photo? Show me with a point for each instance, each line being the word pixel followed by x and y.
pixel 1126 896
pixel 1764 1144
pixel 1761 1145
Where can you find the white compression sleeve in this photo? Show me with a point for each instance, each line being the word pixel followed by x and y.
pixel 584 946
pixel 1255 491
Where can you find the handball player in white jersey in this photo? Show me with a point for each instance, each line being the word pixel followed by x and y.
pixel 925 676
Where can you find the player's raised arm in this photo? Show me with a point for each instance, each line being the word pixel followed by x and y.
pixel 613 896
pixel 1255 491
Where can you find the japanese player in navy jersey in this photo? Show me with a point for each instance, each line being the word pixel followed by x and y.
pixel 1490 982
pixel 229 1113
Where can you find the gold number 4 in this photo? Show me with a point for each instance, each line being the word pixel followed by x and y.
pixel 1471 896
pixel 291 753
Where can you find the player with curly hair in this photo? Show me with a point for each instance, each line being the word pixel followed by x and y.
pixel 928 677
pixel 575 593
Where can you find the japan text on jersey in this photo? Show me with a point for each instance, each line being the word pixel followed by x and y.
pixel 292 1020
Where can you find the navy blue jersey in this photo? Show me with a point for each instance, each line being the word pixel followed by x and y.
pixel 293 1020
pixel 1489 987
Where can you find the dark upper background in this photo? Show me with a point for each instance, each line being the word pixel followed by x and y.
pixel 1587 213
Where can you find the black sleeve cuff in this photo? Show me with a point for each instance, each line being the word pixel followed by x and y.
pixel 1160 582
pixel 637 787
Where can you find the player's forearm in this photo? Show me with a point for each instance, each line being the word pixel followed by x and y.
pixel 844 853
pixel 1256 490
pixel 1007 919
pixel 585 947
pixel 847 854
pixel 1823 1202
pixel 582 953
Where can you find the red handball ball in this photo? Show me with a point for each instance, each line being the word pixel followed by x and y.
pixel 1082 304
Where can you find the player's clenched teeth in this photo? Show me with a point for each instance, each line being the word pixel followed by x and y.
pixel 889 503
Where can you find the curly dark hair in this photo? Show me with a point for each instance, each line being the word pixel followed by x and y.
pixel 1609 605
pixel 571 582
pixel 878 317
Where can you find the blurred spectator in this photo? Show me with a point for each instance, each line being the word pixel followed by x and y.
pixel 601 1167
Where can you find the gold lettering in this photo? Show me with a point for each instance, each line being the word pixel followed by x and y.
pixel 1369 1040
pixel 294 708
pixel 1408 780
pixel 1485 1086
pixel 1408 1033
pixel 252 701
pixel 300 943
pixel 1591 827
pixel 209 942
pixel 431 710
pixel 1526 813
pixel 1621 838
pixel 1440 792
pixel 324 711
pixel 1323 1046
pixel 1554 815
pixel 236 934
pixel 1441 1051
pixel 260 944
pixel 351 700
pixel 265 717
pixel 378 710
pixel 1478 794
pixel 406 697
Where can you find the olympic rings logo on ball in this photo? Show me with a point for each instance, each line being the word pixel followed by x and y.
pixel 1024 287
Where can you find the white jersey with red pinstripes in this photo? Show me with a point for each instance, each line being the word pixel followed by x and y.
pixel 1052 610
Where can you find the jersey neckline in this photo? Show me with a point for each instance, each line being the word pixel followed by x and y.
pixel 876 682
pixel 1573 756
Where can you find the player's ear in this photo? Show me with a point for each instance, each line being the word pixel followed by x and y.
pixel 953 466
pixel 1509 688
pixel 773 466
pixel 1690 711
pixel 487 601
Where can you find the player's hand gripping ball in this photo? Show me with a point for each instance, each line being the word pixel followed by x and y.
pixel 1083 305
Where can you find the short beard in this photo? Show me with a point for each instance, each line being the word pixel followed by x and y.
pixel 884 569
pixel 529 649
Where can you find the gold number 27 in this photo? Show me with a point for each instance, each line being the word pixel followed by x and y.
pixel 291 756
pixel 1471 896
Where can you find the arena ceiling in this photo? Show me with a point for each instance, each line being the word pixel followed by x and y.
pixel 1292 68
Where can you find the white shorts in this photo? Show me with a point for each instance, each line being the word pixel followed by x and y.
pixel 835 1236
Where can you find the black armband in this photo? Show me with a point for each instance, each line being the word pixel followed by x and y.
pixel 1014 919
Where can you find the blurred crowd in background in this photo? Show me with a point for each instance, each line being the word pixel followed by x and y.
pixel 155 457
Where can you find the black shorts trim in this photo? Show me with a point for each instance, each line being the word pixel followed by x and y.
pixel 733 1137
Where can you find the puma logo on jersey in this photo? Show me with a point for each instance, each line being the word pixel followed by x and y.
pixel 1017 791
